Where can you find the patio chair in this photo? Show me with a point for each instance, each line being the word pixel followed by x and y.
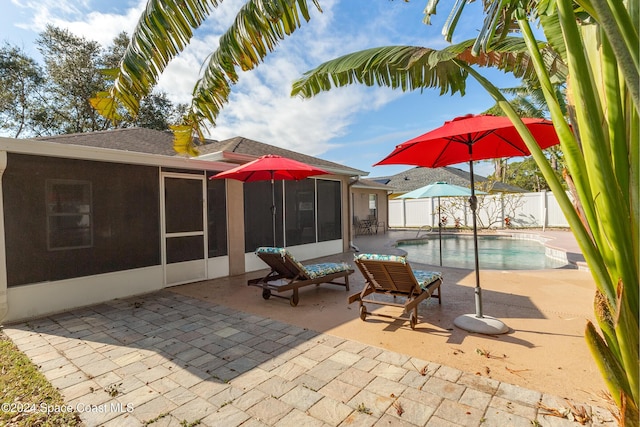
pixel 392 275
pixel 362 226
pixel 375 224
pixel 287 274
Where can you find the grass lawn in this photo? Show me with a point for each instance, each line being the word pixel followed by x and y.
pixel 26 397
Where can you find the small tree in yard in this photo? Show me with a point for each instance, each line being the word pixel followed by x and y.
pixel 493 209
pixel 453 208
pixel 511 204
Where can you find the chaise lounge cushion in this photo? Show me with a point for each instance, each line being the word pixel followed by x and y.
pixel 313 271
pixel 424 277
pixel 383 257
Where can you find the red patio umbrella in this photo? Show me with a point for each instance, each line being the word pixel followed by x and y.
pixel 465 139
pixel 271 167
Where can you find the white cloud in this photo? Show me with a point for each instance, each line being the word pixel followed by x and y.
pixel 260 106
pixel 50 7
pixel 80 20
pixel 102 27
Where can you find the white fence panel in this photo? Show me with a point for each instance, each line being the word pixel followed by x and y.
pixel 555 217
pixel 396 213
pixel 417 212
pixel 523 209
pixel 529 212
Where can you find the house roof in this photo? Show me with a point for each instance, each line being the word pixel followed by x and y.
pixel 140 140
pixel 226 149
pixel 150 141
pixel 417 177
pixel 371 184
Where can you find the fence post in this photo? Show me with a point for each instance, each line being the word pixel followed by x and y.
pixel 543 194
pixel 502 213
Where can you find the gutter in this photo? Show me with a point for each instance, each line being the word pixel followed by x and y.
pixel 4 307
pixel 352 180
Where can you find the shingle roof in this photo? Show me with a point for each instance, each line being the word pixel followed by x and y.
pixel 246 146
pixel 417 177
pixel 161 143
pixel 371 184
pixel 130 139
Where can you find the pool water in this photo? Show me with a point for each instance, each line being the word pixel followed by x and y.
pixel 494 253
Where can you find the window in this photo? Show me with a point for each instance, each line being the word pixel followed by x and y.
pixel 217 217
pixel 373 206
pixel 69 214
pixel 329 210
pixel 300 212
pixel 309 211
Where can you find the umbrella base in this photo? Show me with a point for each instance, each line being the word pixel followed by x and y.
pixel 482 325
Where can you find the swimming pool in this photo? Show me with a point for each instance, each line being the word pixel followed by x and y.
pixel 494 252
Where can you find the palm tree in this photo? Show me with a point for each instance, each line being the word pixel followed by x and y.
pixel 593 43
pixel 528 101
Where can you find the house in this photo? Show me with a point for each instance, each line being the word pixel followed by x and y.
pixel 91 217
pixel 417 177
pixel 369 201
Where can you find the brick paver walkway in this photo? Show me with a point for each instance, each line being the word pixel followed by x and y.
pixel 170 360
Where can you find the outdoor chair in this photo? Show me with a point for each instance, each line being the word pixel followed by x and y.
pixel 287 274
pixel 362 226
pixel 375 224
pixel 392 275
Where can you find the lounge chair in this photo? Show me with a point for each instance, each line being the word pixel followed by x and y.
pixel 392 275
pixel 287 274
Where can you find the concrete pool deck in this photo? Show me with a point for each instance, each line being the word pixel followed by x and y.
pixel 215 351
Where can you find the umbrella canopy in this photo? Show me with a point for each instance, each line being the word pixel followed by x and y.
pixel 470 137
pixel 438 189
pixel 465 139
pixel 271 167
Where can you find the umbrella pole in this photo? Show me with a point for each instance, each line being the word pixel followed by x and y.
pixel 440 229
pixel 478 322
pixel 473 203
pixel 273 209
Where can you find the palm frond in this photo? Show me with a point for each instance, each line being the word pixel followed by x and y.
pixel 411 67
pixel 183 140
pixel 259 26
pixel 163 31
pixel 398 67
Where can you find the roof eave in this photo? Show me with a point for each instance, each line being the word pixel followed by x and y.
pixel 237 158
pixel 70 151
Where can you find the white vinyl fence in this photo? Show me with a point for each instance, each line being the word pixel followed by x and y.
pixel 494 211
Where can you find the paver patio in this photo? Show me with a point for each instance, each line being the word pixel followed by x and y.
pixel 164 359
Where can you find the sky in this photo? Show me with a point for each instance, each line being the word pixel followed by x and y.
pixel 355 125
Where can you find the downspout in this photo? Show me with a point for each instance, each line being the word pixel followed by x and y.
pixel 4 306
pixel 352 180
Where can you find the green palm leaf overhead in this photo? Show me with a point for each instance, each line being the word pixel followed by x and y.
pixel 165 29
pixel 412 67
